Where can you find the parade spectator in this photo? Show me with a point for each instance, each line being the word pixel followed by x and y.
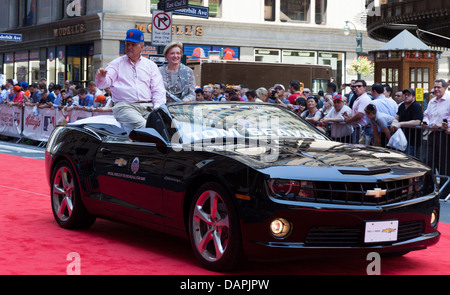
pixel 179 80
pixel 102 104
pixel 352 96
pixel 5 94
pixel 218 92
pixel 57 101
pixel 243 91
pixel 207 92
pixel 252 96
pixel 86 100
pixel 382 103
pixel 358 115
pixel 398 98
pixel 17 98
pixel 380 125
pixel 67 87
pixel 44 102
pixel 262 94
pixel 339 130
pixel 294 88
pixel 238 93
pixel 312 114
pixel 63 94
pixel 136 83
pixel 199 94
pixel 93 89
pixel 328 104
pixel 409 115
pixel 332 89
pixel 299 105
pixel 35 94
pixel 278 95
pixel 434 118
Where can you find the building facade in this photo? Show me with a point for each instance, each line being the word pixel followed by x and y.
pixel 71 39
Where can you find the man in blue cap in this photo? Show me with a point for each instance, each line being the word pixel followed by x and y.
pixel 136 83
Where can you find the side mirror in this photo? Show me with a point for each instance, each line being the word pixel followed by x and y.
pixel 148 135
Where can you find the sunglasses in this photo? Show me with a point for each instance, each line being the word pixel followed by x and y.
pixel 357 86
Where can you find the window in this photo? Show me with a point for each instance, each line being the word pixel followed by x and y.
pixel 291 10
pixel 299 57
pixel 268 55
pixel 215 8
pixel 419 78
pixel 321 9
pixel 390 76
pixel 269 10
pixel 29 16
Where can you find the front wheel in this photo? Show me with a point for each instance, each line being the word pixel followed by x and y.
pixel 67 206
pixel 214 230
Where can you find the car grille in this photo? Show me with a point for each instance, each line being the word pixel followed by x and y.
pixel 328 236
pixel 351 193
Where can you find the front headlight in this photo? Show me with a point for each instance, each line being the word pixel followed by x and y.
pixel 291 189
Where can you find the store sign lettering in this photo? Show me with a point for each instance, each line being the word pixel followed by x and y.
pixel 176 30
pixel 74 8
pixel 69 30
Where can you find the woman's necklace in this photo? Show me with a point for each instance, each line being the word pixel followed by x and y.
pixel 170 88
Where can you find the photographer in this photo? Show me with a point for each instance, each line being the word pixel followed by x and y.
pixel 277 95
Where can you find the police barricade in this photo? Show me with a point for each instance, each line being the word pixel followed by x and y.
pixel 427 145
pixel 11 120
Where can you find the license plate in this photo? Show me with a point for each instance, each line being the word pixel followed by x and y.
pixel 381 231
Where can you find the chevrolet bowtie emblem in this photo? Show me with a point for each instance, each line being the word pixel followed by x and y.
pixel 376 193
pixel 120 162
pixel 388 230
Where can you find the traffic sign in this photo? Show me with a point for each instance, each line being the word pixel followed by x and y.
pixel 176 4
pixel 10 37
pixel 162 27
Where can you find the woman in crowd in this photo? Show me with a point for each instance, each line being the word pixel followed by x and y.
pixel 312 114
pixel 179 79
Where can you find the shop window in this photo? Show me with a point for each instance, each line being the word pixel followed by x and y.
pixel 299 57
pixel 294 10
pixel 268 55
pixel 34 66
pixel 8 65
pixel 321 9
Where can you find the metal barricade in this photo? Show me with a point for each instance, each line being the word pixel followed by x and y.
pixel 427 145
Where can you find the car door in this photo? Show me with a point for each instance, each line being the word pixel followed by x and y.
pixel 130 178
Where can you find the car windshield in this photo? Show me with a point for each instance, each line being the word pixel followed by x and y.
pixel 254 121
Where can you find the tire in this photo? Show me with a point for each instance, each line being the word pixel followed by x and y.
pixel 214 230
pixel 67 206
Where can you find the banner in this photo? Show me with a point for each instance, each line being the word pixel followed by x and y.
pixel 37 124
pixel 10 120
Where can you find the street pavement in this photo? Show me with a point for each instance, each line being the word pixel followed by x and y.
pixel 33 152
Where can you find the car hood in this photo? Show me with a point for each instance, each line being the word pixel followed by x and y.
pixel 328 160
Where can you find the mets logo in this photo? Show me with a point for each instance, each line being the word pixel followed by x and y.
pixel 135 165
pixel 376 193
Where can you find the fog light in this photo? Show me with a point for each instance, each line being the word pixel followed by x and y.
pixel 434 218
pixel 280 228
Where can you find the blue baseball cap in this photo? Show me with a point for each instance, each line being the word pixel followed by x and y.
pixel 135 35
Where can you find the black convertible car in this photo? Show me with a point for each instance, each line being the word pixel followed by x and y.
pixel 242 180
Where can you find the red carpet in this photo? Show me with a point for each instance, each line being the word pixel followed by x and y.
pixel 33 244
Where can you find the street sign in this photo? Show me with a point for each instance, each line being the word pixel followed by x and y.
pixel 162 27
pixel 10 37
pixel 194 10
pixel 176 4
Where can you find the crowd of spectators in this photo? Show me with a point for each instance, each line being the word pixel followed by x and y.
pixel 63 97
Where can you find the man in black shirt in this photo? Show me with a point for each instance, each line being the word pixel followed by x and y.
pixel 409 116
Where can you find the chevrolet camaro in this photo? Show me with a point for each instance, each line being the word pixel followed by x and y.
pixel 242 181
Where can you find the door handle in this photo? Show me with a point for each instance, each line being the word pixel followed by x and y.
pixel 105 150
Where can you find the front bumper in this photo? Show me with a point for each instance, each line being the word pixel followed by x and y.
pixel 321 230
